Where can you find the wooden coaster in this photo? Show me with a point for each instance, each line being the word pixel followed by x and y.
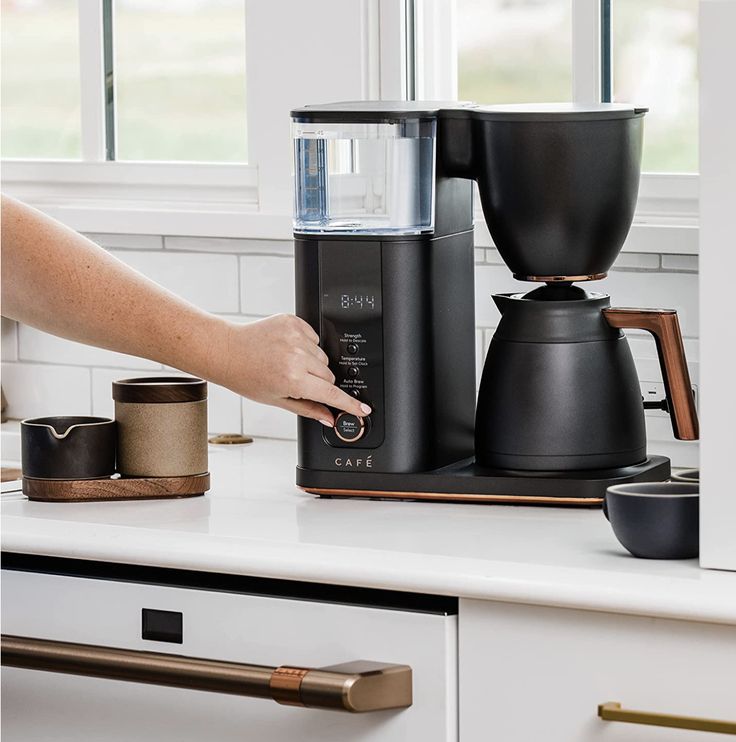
pixel 9 475
pixel 133 488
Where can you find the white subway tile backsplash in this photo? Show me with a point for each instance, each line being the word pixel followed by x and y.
pixel 661 441
pixel 34 390
pixel 209 281
pixel 268 422
pixel 34 345
pixel 246 279
pixel 223 406
pixel 492 279
pixel 479 357
pixel 637 260
pixel 493 256
pixel 127 241
pixel 9 345
pixel 680 262
pixel 644 350
pixel 266 284
pixel 664 290
pixel 223 244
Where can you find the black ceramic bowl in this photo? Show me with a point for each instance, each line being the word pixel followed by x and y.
pixel 68 447
pixel 691 476
pixel 655 520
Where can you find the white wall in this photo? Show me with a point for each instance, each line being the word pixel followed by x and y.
pixel 247 279
pixel 718 199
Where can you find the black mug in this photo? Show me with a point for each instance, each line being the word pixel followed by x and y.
pixel 655 520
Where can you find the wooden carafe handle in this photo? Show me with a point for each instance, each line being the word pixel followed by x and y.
pixel 665 327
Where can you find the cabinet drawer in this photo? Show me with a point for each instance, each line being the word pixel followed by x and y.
pixel 534 673
pixel 217 625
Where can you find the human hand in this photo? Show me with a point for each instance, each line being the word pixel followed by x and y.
pixel 278 361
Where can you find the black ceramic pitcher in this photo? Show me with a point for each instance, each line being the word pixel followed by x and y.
pixel 559 389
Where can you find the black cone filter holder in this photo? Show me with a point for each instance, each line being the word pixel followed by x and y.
pixel 558 184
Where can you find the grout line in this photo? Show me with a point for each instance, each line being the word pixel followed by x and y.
pixel 241 268
pixel 231 253
pixel 57 364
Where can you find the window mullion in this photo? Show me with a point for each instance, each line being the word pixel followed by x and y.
pixel 92 80
pixel 586 51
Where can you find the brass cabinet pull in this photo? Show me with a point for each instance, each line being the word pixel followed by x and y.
pixel 354 686
pixel 612 711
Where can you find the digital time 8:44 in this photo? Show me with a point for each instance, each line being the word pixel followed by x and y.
pixel 360 301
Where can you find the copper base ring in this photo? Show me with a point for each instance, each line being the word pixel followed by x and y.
pixel 560 279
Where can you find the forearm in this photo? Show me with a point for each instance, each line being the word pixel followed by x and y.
pixel 85 294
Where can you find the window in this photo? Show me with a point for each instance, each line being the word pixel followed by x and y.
pixel 655 62
pixel 40 79
pixel 196 140
pixel 514 51
pixel 525 51
pixel 179 69
pixel 178 72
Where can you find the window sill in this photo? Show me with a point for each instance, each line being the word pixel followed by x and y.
pixel 186 199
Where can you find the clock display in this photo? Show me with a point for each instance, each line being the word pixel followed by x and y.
pixel 357 301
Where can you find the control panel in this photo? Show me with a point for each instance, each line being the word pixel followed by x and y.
pixel 351 333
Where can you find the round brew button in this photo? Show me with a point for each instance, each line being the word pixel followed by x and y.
pixel 352 349
pixel 353 371
pixel 349 428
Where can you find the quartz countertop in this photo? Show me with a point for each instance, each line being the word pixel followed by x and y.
pixel 256 522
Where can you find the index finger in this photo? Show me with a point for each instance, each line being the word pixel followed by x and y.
pixel 319 390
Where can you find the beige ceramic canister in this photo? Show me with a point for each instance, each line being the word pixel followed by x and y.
pixel 162 426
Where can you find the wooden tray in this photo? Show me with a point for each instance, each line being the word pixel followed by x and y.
pixel 133 488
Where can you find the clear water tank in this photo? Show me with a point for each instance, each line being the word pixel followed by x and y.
pixel 370 176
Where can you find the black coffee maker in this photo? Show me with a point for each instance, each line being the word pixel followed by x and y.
pixel 384 269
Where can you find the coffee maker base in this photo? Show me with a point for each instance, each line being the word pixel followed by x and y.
pixel 465 481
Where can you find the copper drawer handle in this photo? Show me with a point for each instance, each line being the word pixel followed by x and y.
pixel 612 711
pixel 354 686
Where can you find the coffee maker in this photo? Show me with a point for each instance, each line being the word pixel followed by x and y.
pixel 383 236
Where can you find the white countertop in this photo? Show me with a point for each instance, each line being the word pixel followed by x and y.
pixel 256 522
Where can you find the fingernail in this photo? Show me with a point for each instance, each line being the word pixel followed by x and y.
pixel 326 423
pixel 365 408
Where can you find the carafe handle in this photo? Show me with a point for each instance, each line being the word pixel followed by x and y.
pixel 664 325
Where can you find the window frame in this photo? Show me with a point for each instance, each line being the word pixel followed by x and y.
pixel 666 218
pixel 401 49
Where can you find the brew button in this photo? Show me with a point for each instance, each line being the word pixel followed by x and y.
pixel 352 349
pixel 349 428
pixel 355 393
pixel 353 371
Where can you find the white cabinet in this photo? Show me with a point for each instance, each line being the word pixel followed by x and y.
pixel 217 625
pixel 532 673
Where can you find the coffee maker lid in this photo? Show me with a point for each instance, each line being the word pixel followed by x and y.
pixel 375 111
pixel 548 112
pixel 383 111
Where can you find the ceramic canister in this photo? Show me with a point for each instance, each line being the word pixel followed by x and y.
pixel 162 426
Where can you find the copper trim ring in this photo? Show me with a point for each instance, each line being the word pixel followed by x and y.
pixel 285 684
pixel 361 432
pixel 451 497
pixel 560 279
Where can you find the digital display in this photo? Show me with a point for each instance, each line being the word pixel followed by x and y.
pixel 357 301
